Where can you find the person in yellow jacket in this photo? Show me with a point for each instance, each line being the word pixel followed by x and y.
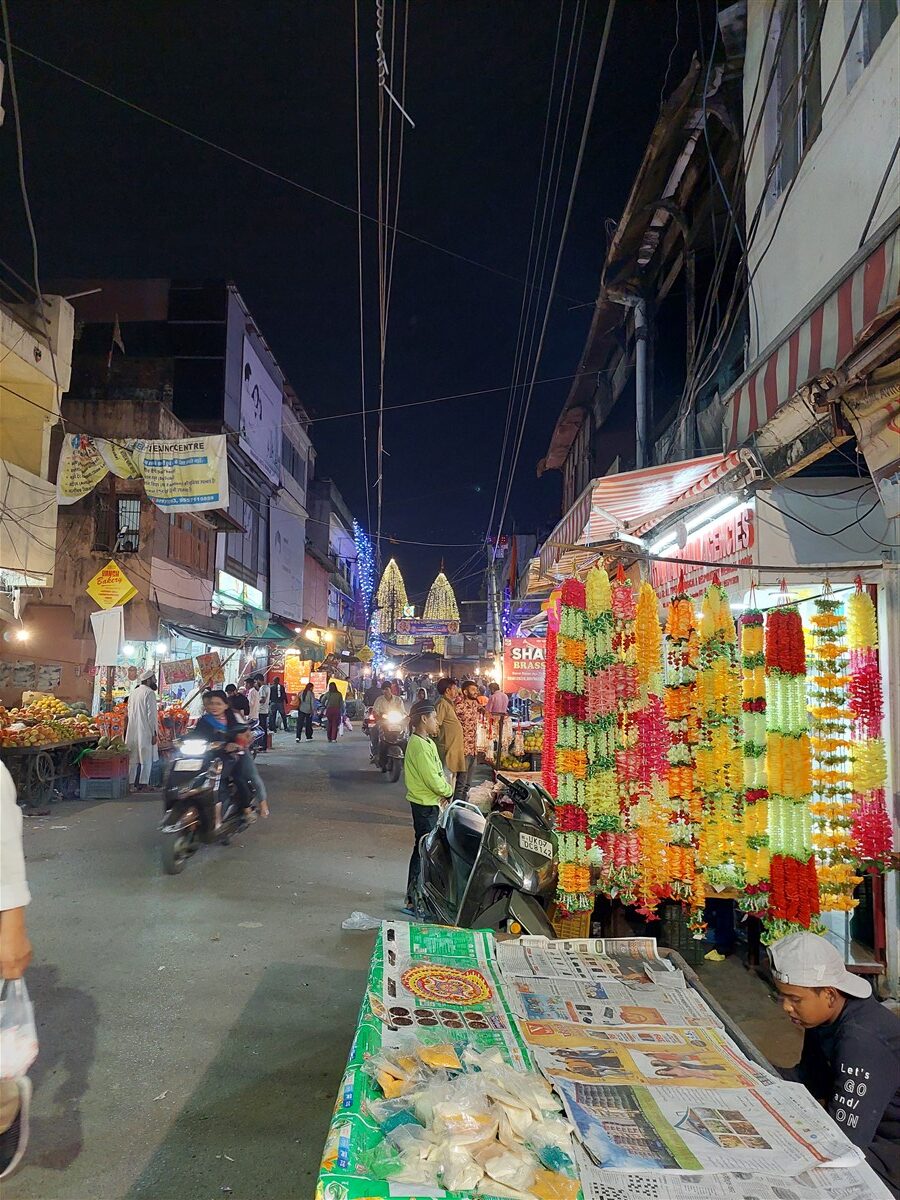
pixel 451 742
pixel 427 787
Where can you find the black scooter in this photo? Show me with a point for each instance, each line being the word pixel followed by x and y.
pixel 495 871
pixel 201 803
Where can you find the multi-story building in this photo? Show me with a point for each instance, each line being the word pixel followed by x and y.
pixel 288 513
pixel 332 547
pixel 36 356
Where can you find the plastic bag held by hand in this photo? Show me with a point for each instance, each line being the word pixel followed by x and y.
pixel 18 1035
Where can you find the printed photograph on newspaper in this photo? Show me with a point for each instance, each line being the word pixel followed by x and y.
pixel 660 1057
pixel 694 1129
pixel 535 999
pixel 632 961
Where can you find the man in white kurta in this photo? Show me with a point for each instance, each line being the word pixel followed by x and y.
pixel 140 734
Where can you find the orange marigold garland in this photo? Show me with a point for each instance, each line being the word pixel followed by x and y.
pixel 795 891
pixel 685 811
pixel 755 897
pixel 720 768
pixel 871 823
pixel 832 806
pixel 625 855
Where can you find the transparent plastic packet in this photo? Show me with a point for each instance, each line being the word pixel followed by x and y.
pixel 18 1033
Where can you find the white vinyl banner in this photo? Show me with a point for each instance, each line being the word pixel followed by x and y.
pixel 286 552
pixel 260 414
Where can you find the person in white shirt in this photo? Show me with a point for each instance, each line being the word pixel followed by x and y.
pixel 264 693
pixel 141 731
pixel 15 955
pixel 253 697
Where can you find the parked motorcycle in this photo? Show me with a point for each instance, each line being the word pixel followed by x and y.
pixel 492 871
pixel 259 738
pixel 201 804
pixel 393 737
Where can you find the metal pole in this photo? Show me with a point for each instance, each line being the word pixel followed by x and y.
pixel 641 335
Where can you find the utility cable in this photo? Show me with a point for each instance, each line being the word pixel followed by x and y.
pixel 359 243
pixel 611 8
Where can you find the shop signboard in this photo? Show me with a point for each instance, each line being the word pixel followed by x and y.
pixel 177 670
pixel 419 627
pixel 725 543
pixel 180 474
pixel 260 414
pixel 319 680
pixel 211 669
pixel 232 592
pixel 111 586
pixel 524 663
pixel 288 547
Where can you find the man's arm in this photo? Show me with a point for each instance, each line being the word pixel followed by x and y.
pixel 866 1078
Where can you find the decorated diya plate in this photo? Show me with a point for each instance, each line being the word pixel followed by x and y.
pixel 446 985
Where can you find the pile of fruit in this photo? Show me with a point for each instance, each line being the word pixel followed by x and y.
pixel 42 721
pixel 534 740
pixel 508 763
pixel 108 747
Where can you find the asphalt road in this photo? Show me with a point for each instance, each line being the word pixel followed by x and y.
pixel 194 1028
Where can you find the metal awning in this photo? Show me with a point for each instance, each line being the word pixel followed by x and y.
pixel 631 503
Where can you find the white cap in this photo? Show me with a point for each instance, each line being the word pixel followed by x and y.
pixel 807 960
pixel 149 674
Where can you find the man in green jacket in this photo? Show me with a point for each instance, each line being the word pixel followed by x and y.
pixel 427 789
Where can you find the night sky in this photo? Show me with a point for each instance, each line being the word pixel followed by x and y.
pixel 115 193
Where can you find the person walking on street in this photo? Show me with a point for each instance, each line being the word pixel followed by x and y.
pixel 253 697
pixel 469 712
pixel 141 732
pixel 427 788
pixel 277 705
pixel 264 696
pixel 15 955
pixel 497 706
pixel 306 706
pixel 334 711
pixel 238 701
pixel 450 741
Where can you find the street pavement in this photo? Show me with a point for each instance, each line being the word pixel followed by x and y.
pixel 194 1028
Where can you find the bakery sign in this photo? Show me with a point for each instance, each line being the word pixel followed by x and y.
pixel 524 663
pixel 721 544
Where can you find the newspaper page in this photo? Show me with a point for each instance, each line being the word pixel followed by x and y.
pixel 632 961
pixel 608 1004
pixel 769 1132
pixel 820 1183
pixel 442 984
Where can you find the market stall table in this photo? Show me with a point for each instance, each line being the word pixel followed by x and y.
pixel 36 770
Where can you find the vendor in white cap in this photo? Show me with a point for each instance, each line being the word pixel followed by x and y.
pixel 140 734
pixel 851 1047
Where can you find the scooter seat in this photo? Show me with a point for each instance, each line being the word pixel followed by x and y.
pixel 465 828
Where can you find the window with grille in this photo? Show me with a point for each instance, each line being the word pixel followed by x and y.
pixel 189 543
pixel 117 524
pixel 293 460
pixel 797 94
pixel 878 17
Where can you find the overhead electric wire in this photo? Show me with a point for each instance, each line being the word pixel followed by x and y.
pixel 256 166
pixel 359 242
pixel 601 56
pixel 885 177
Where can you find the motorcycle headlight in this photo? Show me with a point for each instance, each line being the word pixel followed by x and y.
pixel 192 747
pixel 394 719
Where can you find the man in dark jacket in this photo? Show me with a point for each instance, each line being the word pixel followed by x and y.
pixel 851 1047
pixel 277 704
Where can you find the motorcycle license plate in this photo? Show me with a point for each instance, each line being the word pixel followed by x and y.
pixel 188 764
pixel 536 845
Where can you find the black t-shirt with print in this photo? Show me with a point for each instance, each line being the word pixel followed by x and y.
pixel 852 1066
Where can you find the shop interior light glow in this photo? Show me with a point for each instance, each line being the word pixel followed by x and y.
pixel 128 650
pixel 160 648
pixel 22 635
pixel 699 524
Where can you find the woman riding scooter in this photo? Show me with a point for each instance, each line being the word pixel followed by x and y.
pixel 220 723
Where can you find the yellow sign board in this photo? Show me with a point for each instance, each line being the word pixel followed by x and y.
pixel 111 586
pixel 364 654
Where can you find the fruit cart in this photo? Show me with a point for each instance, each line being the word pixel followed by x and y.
pixel 40 771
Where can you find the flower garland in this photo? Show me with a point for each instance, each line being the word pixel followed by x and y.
pixel 720 768
pixel 570 760
pixel 685 808
pixel 795 889
pixel 755 897
pixel 651 814
pixel 832 806
pixel 625 688
pixel 601 794
pixel 871 823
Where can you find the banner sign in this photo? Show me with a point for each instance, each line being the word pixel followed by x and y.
pixel 878 434
pixel 732 537
pixel 319 680
pixel 181 475
pixel 260 414
pixel 524 662
pixel 419 627
pixel 111 586
pixel 288 545
pixel 212 672
pixel 179 670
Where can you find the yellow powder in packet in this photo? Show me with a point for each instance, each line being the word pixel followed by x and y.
pixel 549 1185
pixel 390 1086
pixel 441 1055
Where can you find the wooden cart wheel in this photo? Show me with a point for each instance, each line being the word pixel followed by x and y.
pixel 42 776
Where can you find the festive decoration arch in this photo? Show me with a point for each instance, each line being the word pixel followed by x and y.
pixel 441 606
pixel 390 601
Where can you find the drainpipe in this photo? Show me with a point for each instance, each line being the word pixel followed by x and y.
pixel 641 335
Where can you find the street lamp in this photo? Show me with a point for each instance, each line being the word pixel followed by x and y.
pixel 22 635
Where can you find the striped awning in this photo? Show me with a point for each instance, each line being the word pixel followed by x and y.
pixel 819 341
pixel 631 503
